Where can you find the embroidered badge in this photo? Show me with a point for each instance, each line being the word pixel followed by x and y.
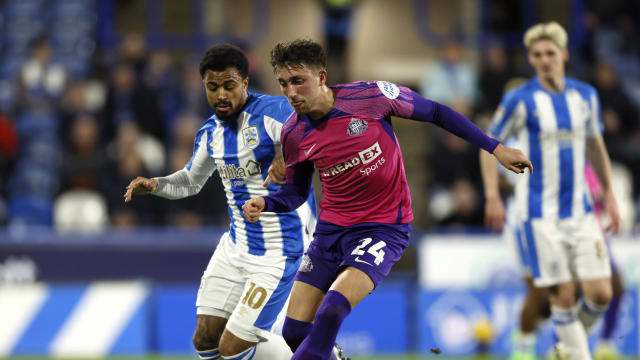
pixel 251 137
pixel 356 127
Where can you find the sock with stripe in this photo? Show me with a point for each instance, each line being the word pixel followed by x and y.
pixel 212 354
pixel 245 355
pixel 610 318
pixel 329 317
pixel 589 313
pixel 571 332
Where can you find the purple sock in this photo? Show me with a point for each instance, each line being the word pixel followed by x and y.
pixel 610 318
pixel 318 345
pixel 294 331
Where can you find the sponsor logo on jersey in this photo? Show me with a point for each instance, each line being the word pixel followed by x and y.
pixel 356 127
pixel 231 171
pixel 251 137
pixel 388 89
pixel 364 157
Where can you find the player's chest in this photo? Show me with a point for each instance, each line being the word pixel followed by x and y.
pixel 339 139
pixel 241 153
pixel 559 117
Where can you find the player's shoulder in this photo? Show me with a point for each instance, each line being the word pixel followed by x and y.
pixel 210 124
pixel 580 86
pixel 520 92
pixel 361 90
pixel 276 107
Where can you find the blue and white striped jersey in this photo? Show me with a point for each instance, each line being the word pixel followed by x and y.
pixel 242 153
pixel 552 130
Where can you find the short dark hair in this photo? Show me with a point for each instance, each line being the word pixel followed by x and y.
pixel 297 53
pixel 223 56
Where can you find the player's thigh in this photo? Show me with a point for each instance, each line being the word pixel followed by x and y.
pixel 591 253
pixel 267 287
pixel 548 253
pixel 354 284
pixel 304 301
pixel 222 282
pixel 232 345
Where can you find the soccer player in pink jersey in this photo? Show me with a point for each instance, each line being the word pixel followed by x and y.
pixel 365 215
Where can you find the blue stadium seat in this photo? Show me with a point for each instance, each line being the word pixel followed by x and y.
pixel 30 210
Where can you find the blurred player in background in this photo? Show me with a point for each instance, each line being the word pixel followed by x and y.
pixel 345 131
pixel 250 275
pixel 556 121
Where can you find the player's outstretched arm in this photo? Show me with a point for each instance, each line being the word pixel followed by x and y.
pixel 512 159
pixel 140 186
pixel 252 209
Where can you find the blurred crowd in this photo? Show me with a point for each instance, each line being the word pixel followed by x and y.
pixel 78 121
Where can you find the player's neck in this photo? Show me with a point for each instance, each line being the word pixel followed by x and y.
pixel 552 84
pixel 326 100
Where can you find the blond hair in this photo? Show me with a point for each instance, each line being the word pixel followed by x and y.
pixel 550 31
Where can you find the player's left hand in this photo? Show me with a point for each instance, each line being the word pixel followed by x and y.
pixel 277 172
pixel 252 209
pixel 611 206
pixel 512 159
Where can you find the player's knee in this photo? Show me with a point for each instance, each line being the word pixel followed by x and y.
pixel 292 337
pixel 602 297
pixel 204 341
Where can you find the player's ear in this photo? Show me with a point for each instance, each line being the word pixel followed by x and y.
pixel 565 54
pixel 322 74
pixel 245 82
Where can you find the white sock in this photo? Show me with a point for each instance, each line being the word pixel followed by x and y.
pixel 526 343
pixel 212 354
pixel 274 349
pixel 589 313
pixel 571 332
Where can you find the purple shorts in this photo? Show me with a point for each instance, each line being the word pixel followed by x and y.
pixel 370 247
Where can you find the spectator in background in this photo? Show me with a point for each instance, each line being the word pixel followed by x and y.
pixel 41 81
pixel 130 100
pixel 454 190
pixel 494 75
pixel 160 77
pixel 85 162
pixel 452 79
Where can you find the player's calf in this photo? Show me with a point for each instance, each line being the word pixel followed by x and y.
pixel 206 336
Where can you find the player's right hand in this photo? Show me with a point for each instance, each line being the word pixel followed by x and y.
pixel 494 214
pixel 277 172
pixel 140 186
pixel 512 159
pixel 252 209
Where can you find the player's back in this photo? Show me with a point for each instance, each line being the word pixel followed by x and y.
pixel 242 151
pixel 552 130
pixel 357 155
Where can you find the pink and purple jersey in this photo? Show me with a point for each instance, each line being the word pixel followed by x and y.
pixel 357 154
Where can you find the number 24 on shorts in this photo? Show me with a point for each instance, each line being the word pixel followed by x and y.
pixel 375 250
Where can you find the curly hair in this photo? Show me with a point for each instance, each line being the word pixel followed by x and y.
pixel 297 53
pixel 223 56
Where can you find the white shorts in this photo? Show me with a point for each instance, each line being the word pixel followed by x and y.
pixel 561 251
pixel 248 290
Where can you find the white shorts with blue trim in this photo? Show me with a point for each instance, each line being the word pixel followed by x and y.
pixel 564 250
pixel 247 289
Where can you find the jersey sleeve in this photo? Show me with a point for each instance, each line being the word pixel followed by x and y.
pixel 595 126
pixel 509 117
pixel 190 180
pixel 274 120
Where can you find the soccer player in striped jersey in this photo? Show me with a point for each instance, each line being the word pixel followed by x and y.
pixel 365 218
pixel 556 121
pixel 251 272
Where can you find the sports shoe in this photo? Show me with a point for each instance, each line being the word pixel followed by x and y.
pixel 560 352
pixel 337 353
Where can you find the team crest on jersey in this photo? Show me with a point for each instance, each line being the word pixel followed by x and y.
pixel 306 265
pixel 356 127
pixel 390 90
pixel 251 137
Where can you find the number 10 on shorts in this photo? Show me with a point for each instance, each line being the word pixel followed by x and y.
pixel 375 250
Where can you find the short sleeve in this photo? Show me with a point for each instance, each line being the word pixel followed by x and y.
pixel 509 117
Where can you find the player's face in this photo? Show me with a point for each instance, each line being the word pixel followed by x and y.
pixel 226 91
pixel 302 86
pixel 547 58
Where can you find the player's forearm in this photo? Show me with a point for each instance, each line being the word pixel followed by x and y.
pixel 295 192
pixel 489 170
pixel 450 120
pixel 178 185
pixel 599 159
